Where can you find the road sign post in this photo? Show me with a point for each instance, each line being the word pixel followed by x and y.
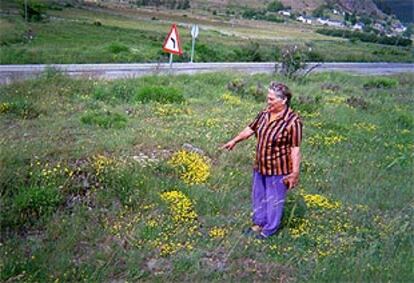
pixel 172 43
pixel 194 34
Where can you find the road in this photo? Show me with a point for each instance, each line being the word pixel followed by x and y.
pixel 10 73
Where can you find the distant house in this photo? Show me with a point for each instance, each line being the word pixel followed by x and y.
pixel 358 26
pixel 399 28
pixel 378 27
pixel 285 13
pixel 335 11
pixel 335 24
pixel 305 20
pixel 322 21
pixel 328 22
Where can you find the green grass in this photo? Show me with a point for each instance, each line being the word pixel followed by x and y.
pixel 71 35
pixel 84 201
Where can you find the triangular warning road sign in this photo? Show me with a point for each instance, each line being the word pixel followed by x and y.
pixel 172 42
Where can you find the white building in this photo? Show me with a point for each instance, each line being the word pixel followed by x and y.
pixel 335 24
pixel 285 13
pixel 378 27
pixel 330 23
pixel 304 20
pixel 399 28
pixel 358 26
pixel 322 21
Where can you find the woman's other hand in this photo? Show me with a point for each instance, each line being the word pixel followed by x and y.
pixel 291 180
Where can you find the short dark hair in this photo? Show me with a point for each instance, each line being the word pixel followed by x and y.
pixel 281 89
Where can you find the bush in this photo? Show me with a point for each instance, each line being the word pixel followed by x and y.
pixel 119 91
pixel 258 92
pixel 104 119
pixel 250 53
pixel 306 104
pixel 159 94
pixel 32 203
pixel 314 56
pixel 381 83
pixel 35 10
pixel 275 6
pixel 21 108
pixel 273 18
pixel 237 86
pixel 404 120
pixel 117 47
pixel 357 102
pixel 366 37
pixel 292 61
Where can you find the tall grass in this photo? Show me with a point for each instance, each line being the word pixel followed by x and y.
pixel 101 203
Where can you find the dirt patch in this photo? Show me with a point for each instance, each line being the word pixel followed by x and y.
pixel 262 271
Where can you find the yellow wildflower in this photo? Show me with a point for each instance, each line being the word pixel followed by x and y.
pixel 217 232
pixel 319 201
pixel 194 167
pixel 232 100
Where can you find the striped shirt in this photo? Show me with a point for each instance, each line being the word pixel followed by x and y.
pixel 275 141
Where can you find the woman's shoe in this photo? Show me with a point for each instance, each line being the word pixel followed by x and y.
pixel 261 237
pixel 256 228
pixel 249 232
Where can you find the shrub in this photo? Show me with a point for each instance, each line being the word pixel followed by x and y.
pixel 330 87
pixel 366 37
pixel 21 108
pixel 405 120
pixel 250 52
pixel 31 203
pixel 192 167
pixel 237 86
pixel 292 61
pixel 35 10
pixel 275 6
pixel 306 104
pixel 117 47
pixel 357 102
pixel 118 91
pixel 314 56
pixel 104 119
pixel 381 83
pixel 273 18
pixel 159 94
pixel 258 92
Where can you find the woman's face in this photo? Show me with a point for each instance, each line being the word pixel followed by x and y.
pixel 275 101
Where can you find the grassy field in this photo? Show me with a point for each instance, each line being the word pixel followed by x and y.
pixel 95 185
pixel 98 35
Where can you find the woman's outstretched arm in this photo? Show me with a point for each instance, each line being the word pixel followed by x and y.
pixel 243 135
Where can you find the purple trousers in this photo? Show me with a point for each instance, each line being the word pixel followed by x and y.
pixel 268 199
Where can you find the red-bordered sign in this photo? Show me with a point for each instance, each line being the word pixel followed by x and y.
pixel 172 42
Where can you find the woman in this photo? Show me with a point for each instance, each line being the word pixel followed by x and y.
pixel 279 133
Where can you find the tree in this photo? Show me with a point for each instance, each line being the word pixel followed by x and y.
pixel 409 31
pixel 346 17
pixel 319 12
pixel 353 19
pixel 275 6
pixel 365 19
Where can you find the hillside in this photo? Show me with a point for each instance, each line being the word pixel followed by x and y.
pixel 403 9
pixel 357 6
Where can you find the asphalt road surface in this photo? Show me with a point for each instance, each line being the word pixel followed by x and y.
pixel 10 73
